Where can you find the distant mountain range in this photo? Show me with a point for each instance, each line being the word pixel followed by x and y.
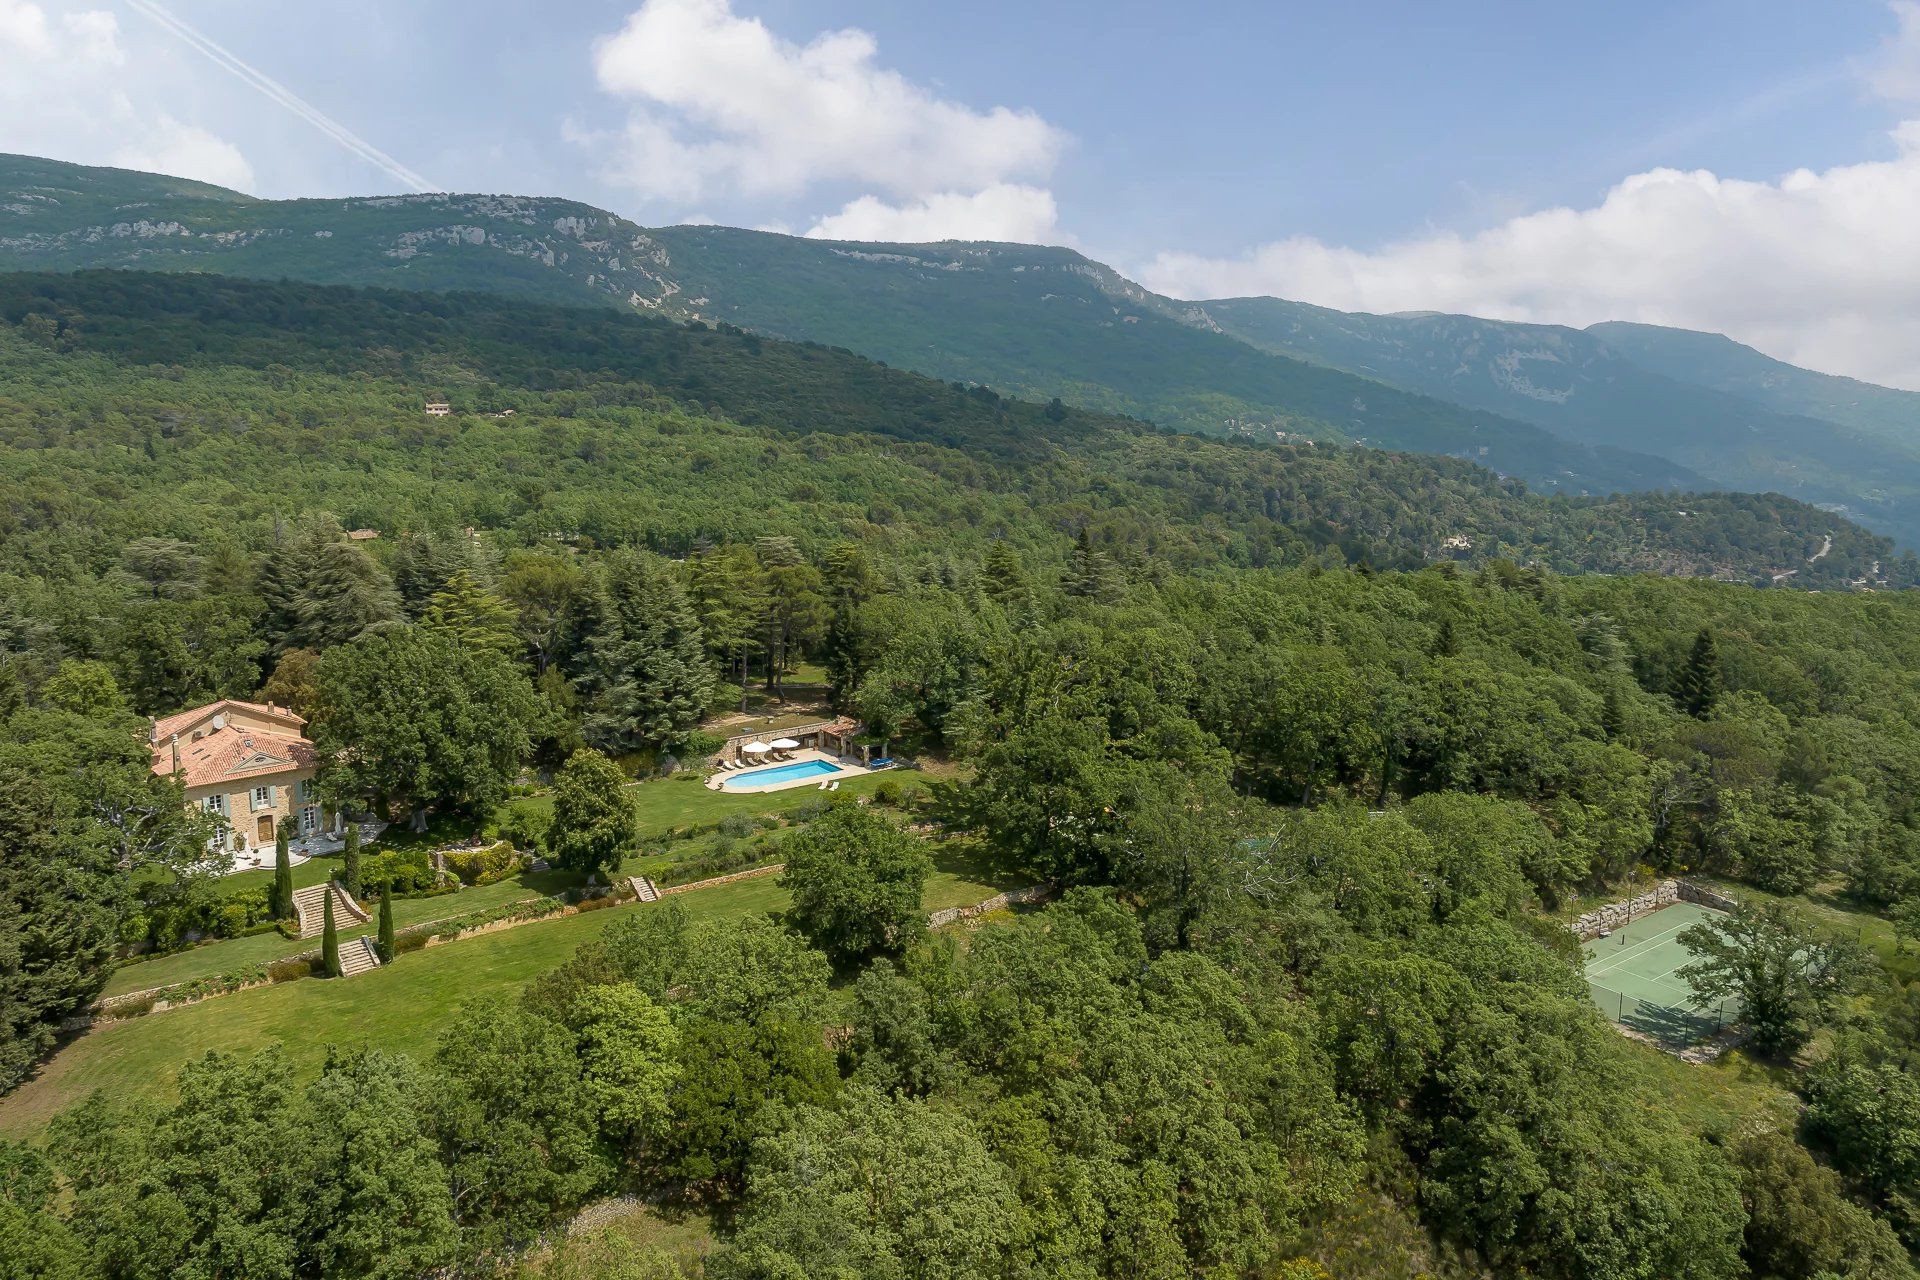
pixel 1617 407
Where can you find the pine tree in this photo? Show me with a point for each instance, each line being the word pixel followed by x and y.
pixel 1698 686
pixel 1091 574
pixel 470 615
pixel 350 857
pixel 344 594
pixel 1612 719
pixel 1003 577
pixel 1445 643
pixel 647 680
pixel 384 942
pixel 282 903
pixel 329 938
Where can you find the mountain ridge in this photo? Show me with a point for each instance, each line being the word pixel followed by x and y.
pixel 1101 341
pixel 1559 407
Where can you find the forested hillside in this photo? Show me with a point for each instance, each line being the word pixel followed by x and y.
pixel 140 404
pixel 1315 745
pixel 1747 424
pixel 1028 321
pixel 1612 408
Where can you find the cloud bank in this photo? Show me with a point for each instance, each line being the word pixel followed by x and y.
pixel 1818 268
pixel 68 89
pixel 721 106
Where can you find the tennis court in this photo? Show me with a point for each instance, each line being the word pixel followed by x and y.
pixel 1633 976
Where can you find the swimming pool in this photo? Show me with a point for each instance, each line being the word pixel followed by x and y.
pixel 778 775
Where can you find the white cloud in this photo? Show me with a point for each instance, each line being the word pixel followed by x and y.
pixel 1819 268
pixel 1004 211
pixel 1895 74
pixel 724 106
pixel 67 91
pixel 186 150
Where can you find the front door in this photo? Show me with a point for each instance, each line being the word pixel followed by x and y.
pixel 265 835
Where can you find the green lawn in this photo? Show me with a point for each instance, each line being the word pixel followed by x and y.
pixel 666 803
pixel 404 1007
pixel 225 956
pixel 663 804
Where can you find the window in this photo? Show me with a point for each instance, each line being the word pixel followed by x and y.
pixel 215 804
pixel 263 797
pixel 304 790
pixel 309 819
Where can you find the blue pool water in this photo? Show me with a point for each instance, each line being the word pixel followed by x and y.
pixel 756 778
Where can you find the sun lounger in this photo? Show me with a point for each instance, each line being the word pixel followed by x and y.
pixel 834 785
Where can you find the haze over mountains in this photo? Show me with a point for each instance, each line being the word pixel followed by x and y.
pixel 1616 407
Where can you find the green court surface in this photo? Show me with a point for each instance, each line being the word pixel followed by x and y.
pixel 1633 976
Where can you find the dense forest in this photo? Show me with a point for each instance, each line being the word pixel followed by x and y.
pixel 184 394
pixel 1311 784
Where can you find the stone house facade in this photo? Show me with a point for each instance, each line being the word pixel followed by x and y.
pixel 247 764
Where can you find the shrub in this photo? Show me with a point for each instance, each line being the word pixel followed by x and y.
pixel 724 858
pixel 604 900
pixel 483 866
pixel 701 745
pixel 522 829
pixel 407 872
pixel 736 825
pixel 290 969
pixel 888 792
pixel 130 1008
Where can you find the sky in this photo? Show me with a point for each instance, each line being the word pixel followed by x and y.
pixel 1751 168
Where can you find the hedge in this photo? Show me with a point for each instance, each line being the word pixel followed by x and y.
pixel 483 866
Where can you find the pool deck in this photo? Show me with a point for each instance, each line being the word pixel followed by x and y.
pixel 742 778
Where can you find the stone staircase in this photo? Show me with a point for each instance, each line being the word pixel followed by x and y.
pixel 644 889
pixel 309 909
pixel 357 956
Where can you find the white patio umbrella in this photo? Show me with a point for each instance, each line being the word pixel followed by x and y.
pixel 784 744
pixel 756 748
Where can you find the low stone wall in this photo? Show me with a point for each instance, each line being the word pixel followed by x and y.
pixel 1690 892
pixel 998 902
pixel 748 874
pixel 1616 914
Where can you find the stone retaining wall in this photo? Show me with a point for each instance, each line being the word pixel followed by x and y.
pixel 1690 892
pixel 748 874
pixel 998 902
pixel 1616 914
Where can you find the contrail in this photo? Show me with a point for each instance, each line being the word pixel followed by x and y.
pixel 284 96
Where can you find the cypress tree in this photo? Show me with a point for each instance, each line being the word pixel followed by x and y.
pixel 384 942
pixel 1698 686
pixel 350 872
pixel 1612 718
pixel 282 876
pixel 329 940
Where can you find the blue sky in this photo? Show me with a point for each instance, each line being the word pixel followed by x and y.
pixel 1366 155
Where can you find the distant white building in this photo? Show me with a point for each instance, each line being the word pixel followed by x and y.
pixel 438 408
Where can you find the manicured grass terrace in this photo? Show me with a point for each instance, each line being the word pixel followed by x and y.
pixel 403 1008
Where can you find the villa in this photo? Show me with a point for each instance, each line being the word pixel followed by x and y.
pixel 249 765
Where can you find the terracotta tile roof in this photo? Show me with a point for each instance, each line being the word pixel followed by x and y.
pixel 231 754
pixel 181 721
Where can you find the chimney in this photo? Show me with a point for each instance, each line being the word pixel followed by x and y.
pixel 153 733
pixel 176 753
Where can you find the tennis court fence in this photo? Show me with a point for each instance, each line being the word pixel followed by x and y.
pixel 1676 1024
